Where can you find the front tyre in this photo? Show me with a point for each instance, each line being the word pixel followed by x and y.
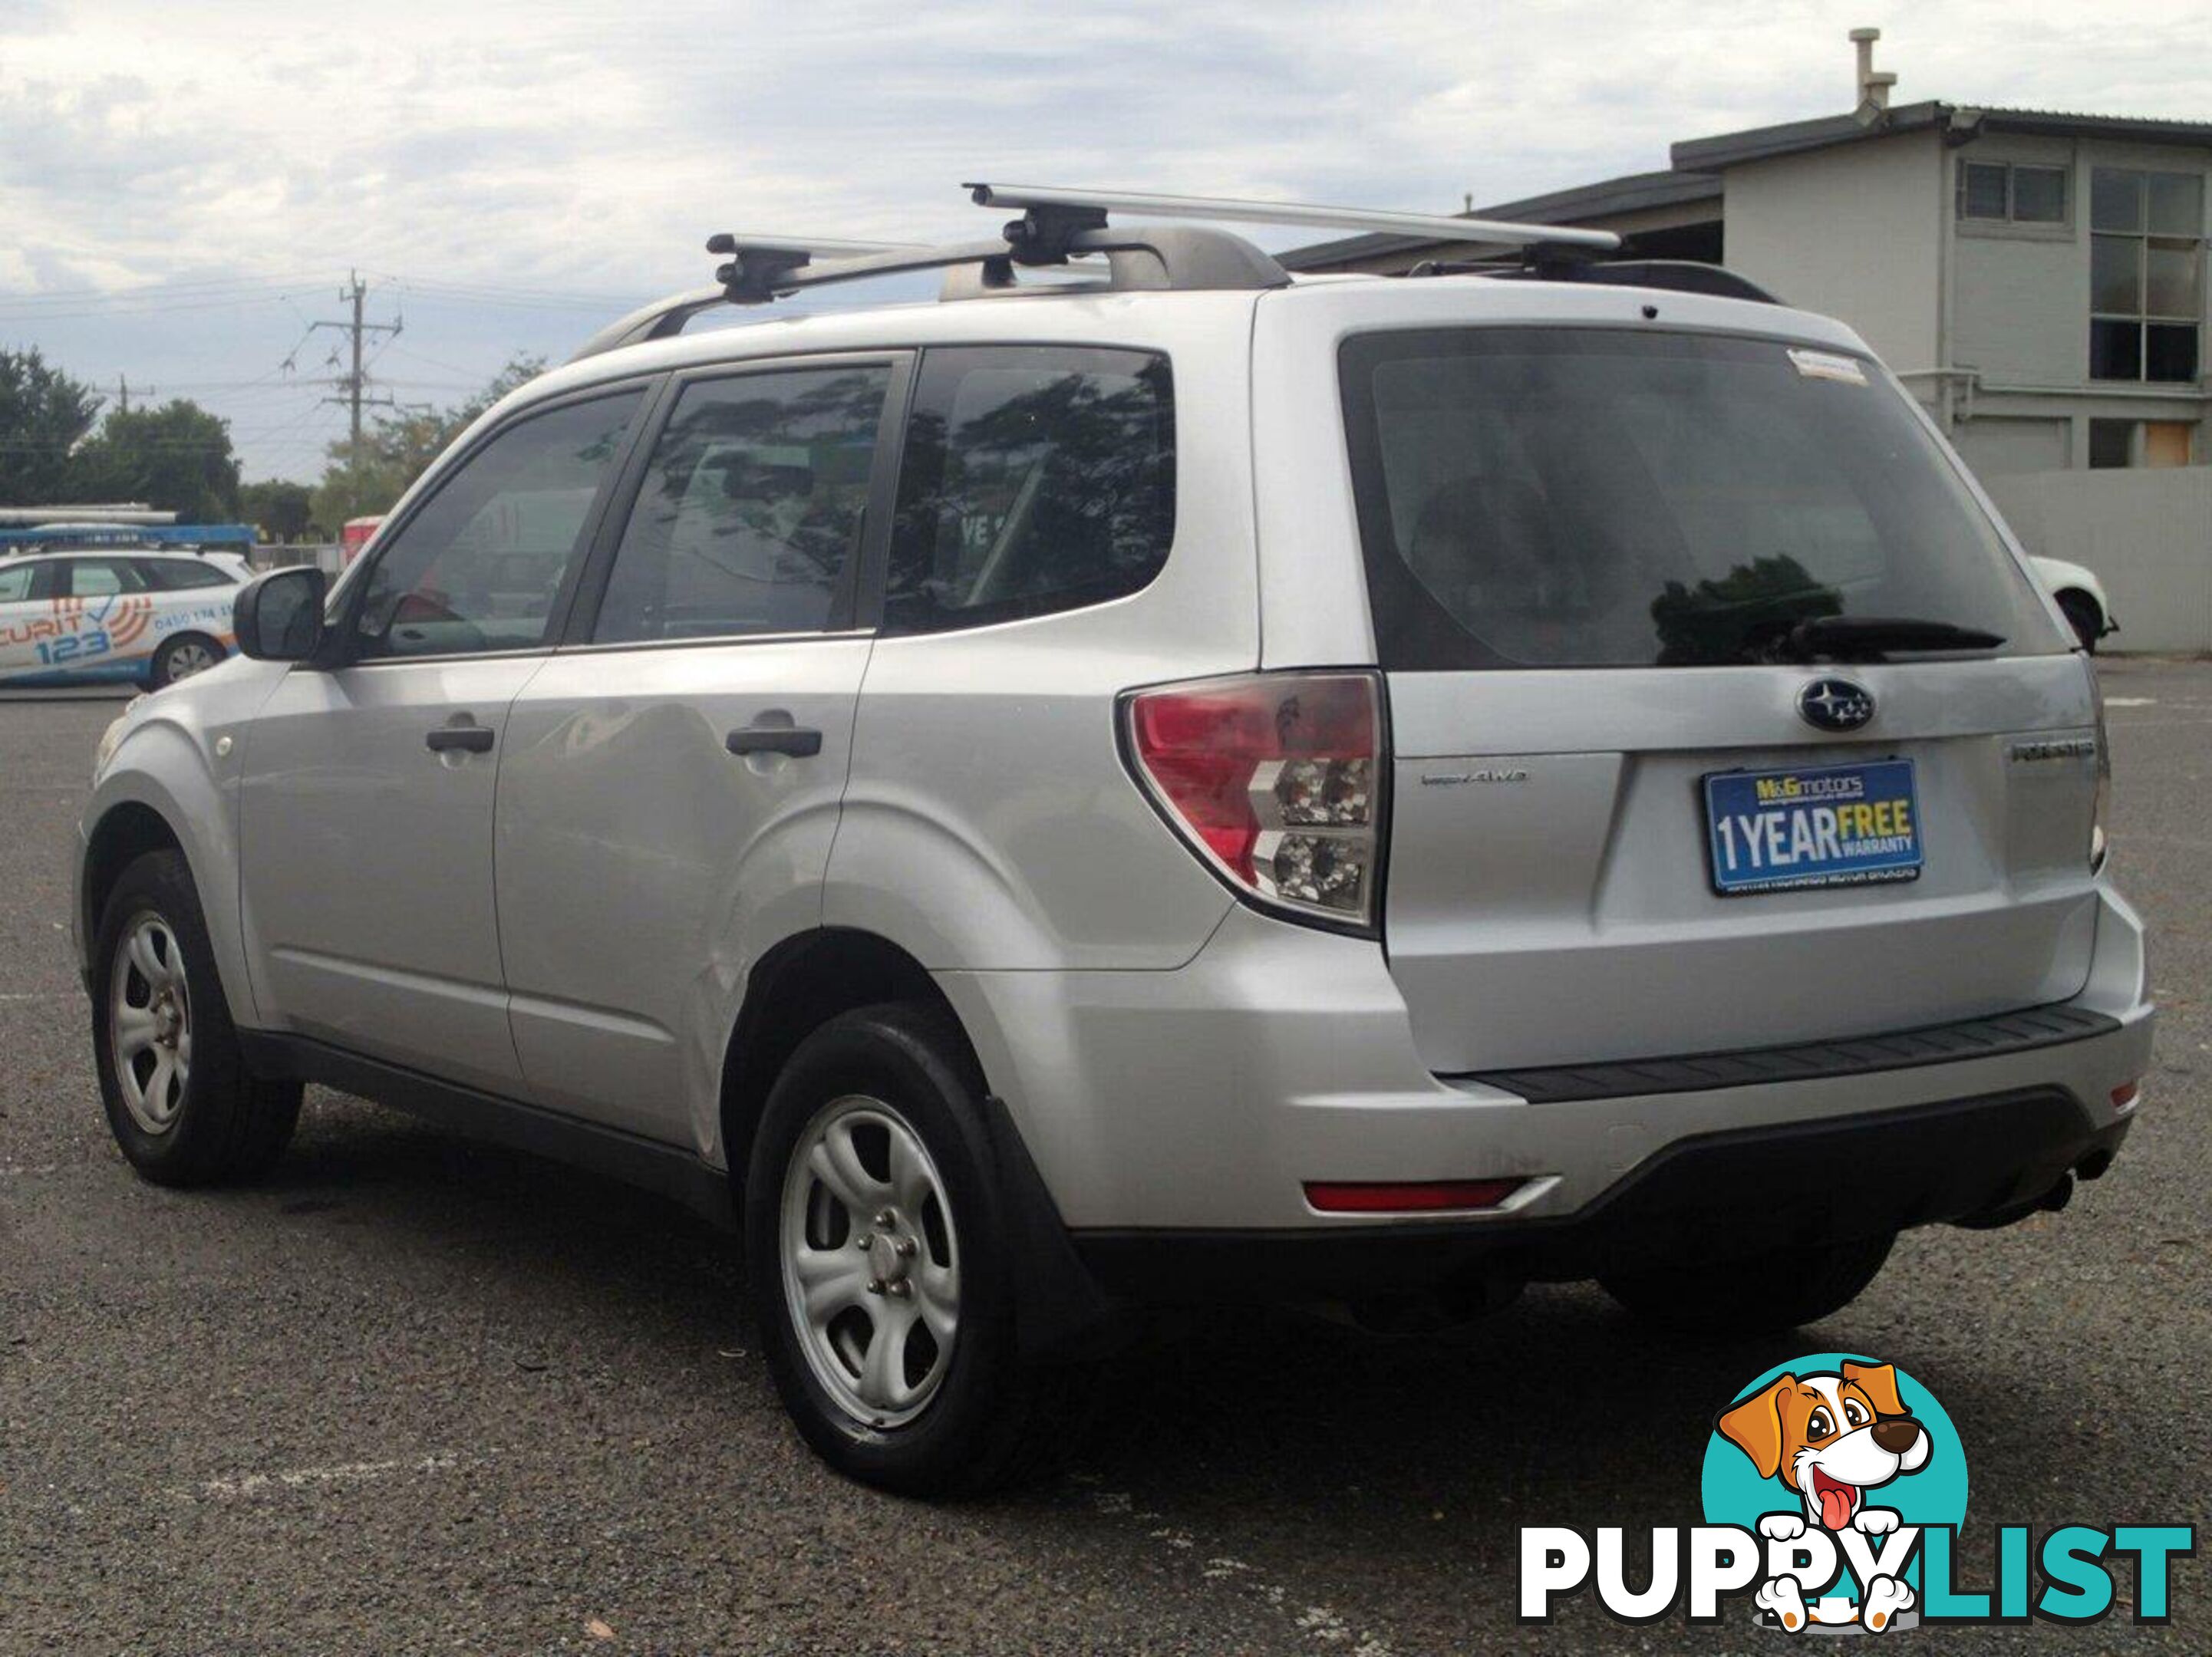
pixel 181 656
pixel 1764 1294
pixel 874 1249
pixel 178 1097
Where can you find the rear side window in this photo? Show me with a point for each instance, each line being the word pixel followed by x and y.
pixel 175 575
pixel 751 515
pixel 103 578
pixel 1603 498
pixel 15 581
pixel 1035 479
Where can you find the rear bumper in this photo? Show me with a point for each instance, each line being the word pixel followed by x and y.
pixel 1201 1100
pixel 1711 1197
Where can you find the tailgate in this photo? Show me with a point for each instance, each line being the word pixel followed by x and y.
pixel 1552 900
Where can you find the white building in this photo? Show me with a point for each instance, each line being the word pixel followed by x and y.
pixel 2037 277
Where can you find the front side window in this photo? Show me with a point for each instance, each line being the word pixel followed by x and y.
pixel 103 578
pixel 2146 275
pixel 478 566
pixel 1602 498
pixel 751 515
pixel 1035 479
pixel 16 580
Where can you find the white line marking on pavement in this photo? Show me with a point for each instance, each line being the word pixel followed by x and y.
pixel 1319 1623
pixel 2131 701
pixel 16 1170
pixel 298 1478
pixel 38 995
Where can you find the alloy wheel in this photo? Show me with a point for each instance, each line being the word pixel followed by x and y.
pixel 870 1261
pixel 150 1022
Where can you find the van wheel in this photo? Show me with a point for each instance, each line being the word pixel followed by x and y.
pixel 2086 619
pixel 182 657
pixel 874 1244
pixel 180 1099
pixel 1765 1294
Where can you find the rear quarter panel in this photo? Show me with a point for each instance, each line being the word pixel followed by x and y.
pixel 989 822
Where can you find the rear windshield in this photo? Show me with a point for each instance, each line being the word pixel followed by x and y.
pixel 1603 498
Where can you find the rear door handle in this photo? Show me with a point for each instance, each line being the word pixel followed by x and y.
pixel 461 738
pixel 797 741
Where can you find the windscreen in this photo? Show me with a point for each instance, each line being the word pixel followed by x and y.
pixel 1603 498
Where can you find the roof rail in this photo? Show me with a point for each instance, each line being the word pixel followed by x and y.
pixel 1672 276
pixel 1056 226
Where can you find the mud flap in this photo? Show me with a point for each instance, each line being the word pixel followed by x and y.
pixel 1061 1313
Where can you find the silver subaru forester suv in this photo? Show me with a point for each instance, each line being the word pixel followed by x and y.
pixel 1160 782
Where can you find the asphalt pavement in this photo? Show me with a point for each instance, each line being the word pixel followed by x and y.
pixel 413 1395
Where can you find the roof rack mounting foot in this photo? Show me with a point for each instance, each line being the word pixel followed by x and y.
pixel 1045 231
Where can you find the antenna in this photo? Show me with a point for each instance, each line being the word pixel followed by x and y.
pixel 1052 199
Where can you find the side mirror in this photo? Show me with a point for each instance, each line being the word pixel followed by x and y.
pixel 278 617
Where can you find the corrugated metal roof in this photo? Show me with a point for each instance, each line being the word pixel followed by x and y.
pixel 1760 143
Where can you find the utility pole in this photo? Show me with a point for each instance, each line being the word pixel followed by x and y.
pixel 123 392
pixel 355 384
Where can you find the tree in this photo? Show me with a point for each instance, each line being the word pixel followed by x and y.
pixel 398 448
pixel 176 458
pixel 282 511
pixel 44 416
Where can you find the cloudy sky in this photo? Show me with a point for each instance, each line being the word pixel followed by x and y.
pixel 185 184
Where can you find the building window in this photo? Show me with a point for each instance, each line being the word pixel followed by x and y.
pixel 2146 275
pixel 2165 442
pixel 2111 443
pixel 1997 193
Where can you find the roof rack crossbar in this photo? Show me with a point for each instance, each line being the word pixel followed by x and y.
pixel 757 263
pixel 1156 257
pixel 1496 232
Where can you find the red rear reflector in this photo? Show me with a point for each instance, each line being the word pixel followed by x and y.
pixel 2126 1093
pixel 1408 1196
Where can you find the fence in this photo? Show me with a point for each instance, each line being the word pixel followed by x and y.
pixel 2146 531
pixel 324 557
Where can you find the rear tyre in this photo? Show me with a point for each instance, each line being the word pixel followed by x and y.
pixel 2086 620
pixel 181 656
pixel 180 1099
pixel 1764 1294
pixel 874 1243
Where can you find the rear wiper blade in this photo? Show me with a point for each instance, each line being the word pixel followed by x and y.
pixel 1848 636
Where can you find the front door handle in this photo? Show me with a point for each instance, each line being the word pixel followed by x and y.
pixel 797 741
pixel 460 738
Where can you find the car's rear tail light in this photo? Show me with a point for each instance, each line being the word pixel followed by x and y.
pixel 1276 780
pixel 1407 1196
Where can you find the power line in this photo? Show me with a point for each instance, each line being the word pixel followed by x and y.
pixel 198 285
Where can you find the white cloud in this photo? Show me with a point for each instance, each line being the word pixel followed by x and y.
pixel 594 148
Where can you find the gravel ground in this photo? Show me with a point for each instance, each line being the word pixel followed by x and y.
pixel 411 1395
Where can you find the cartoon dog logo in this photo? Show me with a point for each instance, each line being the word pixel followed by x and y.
pixel 1830 1438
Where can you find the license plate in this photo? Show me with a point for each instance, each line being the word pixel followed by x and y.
pixel 1839 825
